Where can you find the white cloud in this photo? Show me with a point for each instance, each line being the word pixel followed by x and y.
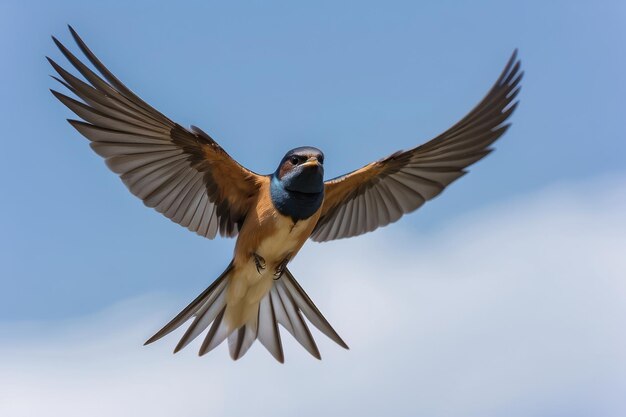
pixel 517 310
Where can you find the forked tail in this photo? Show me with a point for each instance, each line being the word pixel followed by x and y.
pixel 285 304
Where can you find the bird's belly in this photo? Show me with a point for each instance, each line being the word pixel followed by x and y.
pixel 249 284
pixel 285 241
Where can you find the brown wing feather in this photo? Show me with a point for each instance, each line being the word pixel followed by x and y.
pixel 183 174
pixel 381 192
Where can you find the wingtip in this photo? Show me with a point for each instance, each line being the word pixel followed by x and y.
pixel 76 123
pixel 510 71
pixel 57 42
pixel 75 35
pixel 53 63
pixel 514 56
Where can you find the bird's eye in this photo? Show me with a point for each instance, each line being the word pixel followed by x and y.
pixel 294 160
pixel 320 159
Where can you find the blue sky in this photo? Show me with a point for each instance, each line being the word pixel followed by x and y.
pixel 359 80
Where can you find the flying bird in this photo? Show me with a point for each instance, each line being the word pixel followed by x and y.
pixel 187 176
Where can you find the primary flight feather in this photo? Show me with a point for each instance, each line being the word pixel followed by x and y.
pixel 187 176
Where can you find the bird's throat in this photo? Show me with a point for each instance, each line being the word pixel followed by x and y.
pixel 297 205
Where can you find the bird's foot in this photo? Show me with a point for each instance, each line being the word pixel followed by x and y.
pixel 281 268
pixel 259 262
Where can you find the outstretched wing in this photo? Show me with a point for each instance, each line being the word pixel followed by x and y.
pixel 183 174
pixel 381 192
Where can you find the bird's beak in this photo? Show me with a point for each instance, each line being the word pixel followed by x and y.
pixel 311 162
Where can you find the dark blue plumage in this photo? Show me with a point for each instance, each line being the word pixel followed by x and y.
pixel 297 186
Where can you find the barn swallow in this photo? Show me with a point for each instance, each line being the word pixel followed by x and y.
pixel 187 176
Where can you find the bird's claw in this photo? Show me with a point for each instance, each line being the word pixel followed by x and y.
pixel 259 262
pixel 280 269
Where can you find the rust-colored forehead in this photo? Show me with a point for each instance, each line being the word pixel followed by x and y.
pixel 303 151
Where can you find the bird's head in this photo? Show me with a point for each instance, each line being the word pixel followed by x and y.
pixel 302 170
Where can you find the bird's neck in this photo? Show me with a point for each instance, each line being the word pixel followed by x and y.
pixel 297 205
